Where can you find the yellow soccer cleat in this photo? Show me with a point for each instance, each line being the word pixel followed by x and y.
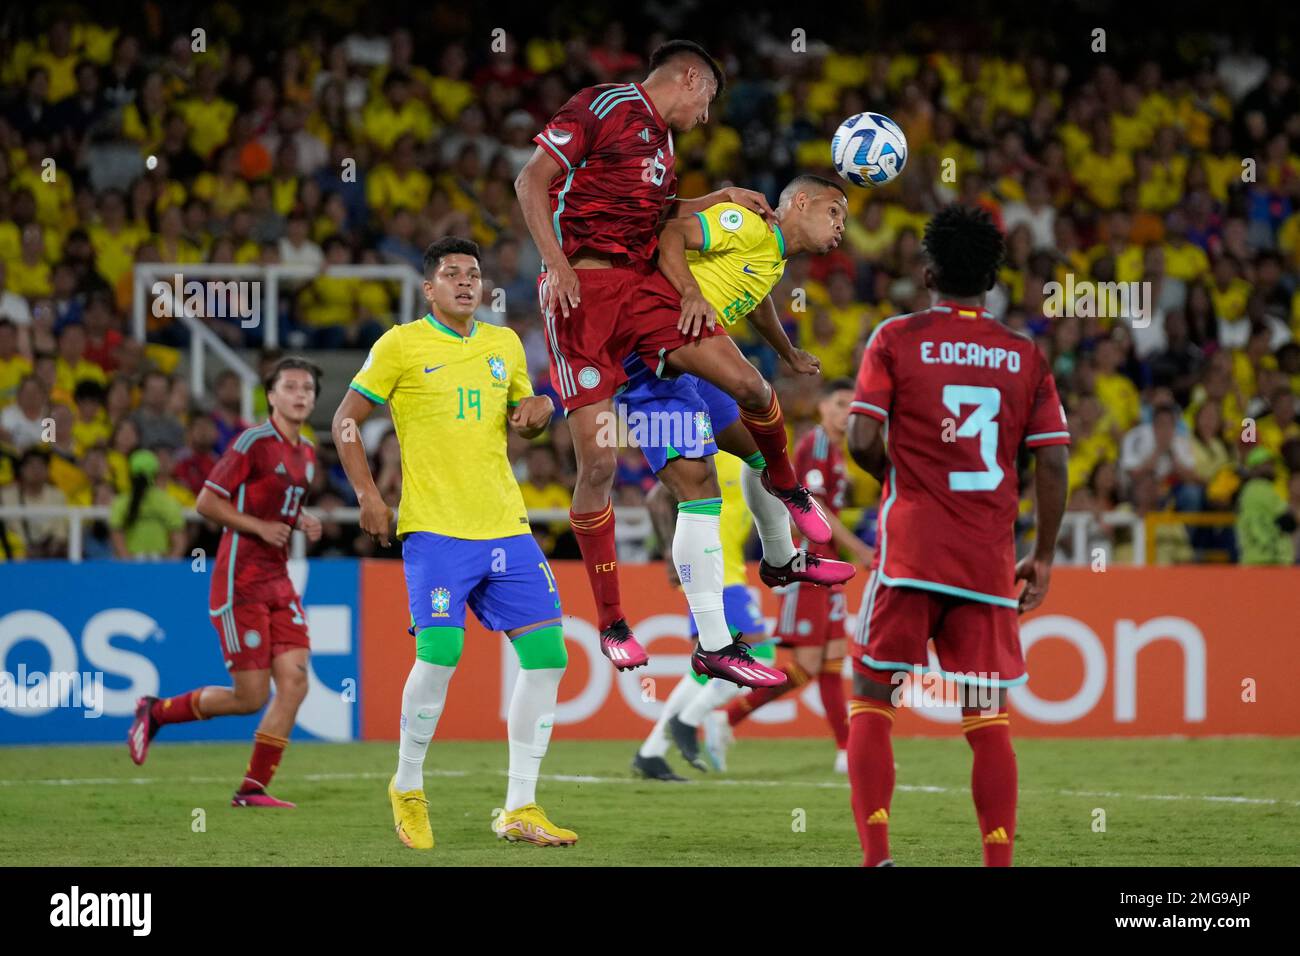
pixel 528 824
pixel 411 817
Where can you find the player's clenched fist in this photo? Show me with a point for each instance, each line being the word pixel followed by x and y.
pixel 562 289
pixel 1037 575
pixel 376 519
pixel 274 533
pixel 531 416
pixel 309 525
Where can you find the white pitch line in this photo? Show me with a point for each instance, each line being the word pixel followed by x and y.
pixel 706 781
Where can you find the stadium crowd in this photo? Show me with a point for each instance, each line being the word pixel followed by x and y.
pixel 337 147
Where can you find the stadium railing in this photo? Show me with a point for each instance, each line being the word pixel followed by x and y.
pixel 632 527
pixel 225 297
pixel 1073 543
pixel 1156 520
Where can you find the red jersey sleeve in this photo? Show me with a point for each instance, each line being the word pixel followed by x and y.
pixel 230 471
pixel 874 393
pixel 1047 424
pixel 572 132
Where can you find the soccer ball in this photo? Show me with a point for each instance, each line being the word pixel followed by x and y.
pixel 869 149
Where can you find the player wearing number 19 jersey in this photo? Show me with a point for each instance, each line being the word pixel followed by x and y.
pixel 454 386
pixel 256 490
pixel 954 394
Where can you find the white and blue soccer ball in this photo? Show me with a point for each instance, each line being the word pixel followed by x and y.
pixel 869 149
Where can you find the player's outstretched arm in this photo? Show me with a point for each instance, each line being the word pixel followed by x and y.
pixel 768 324
pixel 748 198
pixel 1051 482
pixel 532 187
pixel 675 238
pixel 376 516
pixel 867 446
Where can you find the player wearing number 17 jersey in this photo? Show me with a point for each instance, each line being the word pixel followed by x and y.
pixel 954 394
pixel 256 492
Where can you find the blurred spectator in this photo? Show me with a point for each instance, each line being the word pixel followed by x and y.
pixel 41 537
pixel 22 424
pixel 156 424
pixel 146 521
pixel 1264 523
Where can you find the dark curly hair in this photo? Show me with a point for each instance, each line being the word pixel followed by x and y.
pixel 965 250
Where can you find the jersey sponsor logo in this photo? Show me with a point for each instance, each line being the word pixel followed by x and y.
pixel 749 270
pixel 589 377
pixel 497 366
pixel 731 220
pixel 441 600
pixel 435 368
pixel 644 134
pixel 281 470
pixel 559 137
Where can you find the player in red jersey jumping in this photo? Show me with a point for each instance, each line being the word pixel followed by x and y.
pixel 812 620
pixel 945 399
pixel 256 492
pixel 593 194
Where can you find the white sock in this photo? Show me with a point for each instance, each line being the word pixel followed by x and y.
pixel 716 693
pixel 770 517
pixel 528 725
pixel 687 689
pixel 422 702
pixel 697 552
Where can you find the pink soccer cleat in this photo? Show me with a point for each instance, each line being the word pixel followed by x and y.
pixel 619 644
pixel 260 798
pixel 805 512
pixel 735 664
pixel 142 730
pixel 806 567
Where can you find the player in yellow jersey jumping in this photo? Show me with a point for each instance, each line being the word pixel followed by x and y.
pixel 724 262
pixel 454 385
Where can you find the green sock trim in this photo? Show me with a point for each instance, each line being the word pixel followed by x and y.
pixel 700 679
pixel 440 645
pixel 756 461
pixel 701 506
pixel 541 649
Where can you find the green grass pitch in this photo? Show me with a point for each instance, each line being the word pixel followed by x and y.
pixel 1166 802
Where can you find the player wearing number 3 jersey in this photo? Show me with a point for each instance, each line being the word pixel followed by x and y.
pixel 256 491
pixel 454 386
pixel 954 395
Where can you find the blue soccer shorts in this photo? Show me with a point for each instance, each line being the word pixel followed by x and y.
pixel 673 417
pixel 506 582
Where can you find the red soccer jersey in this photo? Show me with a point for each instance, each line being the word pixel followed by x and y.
pixel 819 464
pixel 959 393
pixel 267 476
pixel 616 153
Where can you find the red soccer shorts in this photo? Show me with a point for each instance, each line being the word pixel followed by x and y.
pixel 623 312
pixel 970 637
pixel 254 633
pixel 811 616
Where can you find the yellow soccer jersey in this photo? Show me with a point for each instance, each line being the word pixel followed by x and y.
pixel 740 262
pixel 736 519
pixel 450 395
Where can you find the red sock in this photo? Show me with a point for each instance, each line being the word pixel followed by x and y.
pixel 768 429
pixel 871 774
pixel 993 782
pixel 267 750
pixel 831 683
pixel 180 709
pixel 744 705
pixel 595 533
